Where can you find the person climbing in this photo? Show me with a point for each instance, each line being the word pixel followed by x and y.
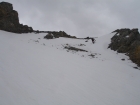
pixel 93 40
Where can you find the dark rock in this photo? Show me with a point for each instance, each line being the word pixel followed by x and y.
pixel 92 55
pixel 122 49
pixel 87 38
pixel 9 20
pixel 81 45
pixel 136 67
pixel 127 41
pixel 49 36
pixel 123 59
pixel 6 6
pixel 74 48
pixel 57 34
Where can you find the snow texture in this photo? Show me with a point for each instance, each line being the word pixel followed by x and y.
pixel 37 71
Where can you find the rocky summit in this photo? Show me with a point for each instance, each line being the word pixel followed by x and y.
pixel 9 20
pixel 127 41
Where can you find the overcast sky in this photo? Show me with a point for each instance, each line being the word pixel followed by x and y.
pixel 79 18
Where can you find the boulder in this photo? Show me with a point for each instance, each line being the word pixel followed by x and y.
pixel 49 36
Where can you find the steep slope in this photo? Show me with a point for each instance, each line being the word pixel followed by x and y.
pixel 37 71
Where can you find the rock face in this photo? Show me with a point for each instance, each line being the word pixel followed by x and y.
pixel 56 34
pixel 9 20
pixel 127 41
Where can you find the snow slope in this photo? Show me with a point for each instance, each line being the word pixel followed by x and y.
pixel 37 71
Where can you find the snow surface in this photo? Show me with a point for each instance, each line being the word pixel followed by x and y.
pixel 127 36
pixel 37 71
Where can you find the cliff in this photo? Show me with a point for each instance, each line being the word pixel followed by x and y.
pixel 9 20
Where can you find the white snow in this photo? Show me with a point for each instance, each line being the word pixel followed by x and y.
pixel 37 71
pixel 117 34
pixel 127 36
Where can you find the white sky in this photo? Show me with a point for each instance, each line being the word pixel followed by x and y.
pixel 80 18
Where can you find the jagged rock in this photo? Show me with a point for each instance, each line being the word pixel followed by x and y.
pixel 9 20
pixel 127 41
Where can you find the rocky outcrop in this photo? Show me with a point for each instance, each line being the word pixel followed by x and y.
pixel 57 34
pixel 9 20
pixel 49 36
pixel 127 41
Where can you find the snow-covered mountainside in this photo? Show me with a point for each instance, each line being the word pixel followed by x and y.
pixel 37 71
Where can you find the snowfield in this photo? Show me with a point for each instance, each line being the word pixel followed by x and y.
pixel 37 71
